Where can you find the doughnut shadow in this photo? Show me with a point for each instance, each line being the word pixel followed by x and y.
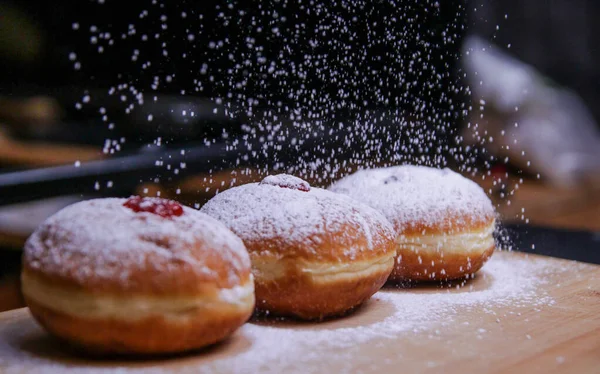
pixel 370 312
pixel 47 347
pixel 478 282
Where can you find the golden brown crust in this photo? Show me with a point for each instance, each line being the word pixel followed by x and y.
pixel 156 335
pixel 296 295
pixel 180 281
pixel 330 246
pixel 453 223
pixel 452 265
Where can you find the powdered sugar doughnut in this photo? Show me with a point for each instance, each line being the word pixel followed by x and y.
pixel 142 275
pixel 444 222
pixel 314 253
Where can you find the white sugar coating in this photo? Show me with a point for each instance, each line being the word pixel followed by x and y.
pixel 508 286
pixel 408 194
pixel 287 181
pixel 109 241
pixel 257 211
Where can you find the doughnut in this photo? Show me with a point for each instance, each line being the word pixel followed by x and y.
pixel 444 222
pixel 314 253
pixel 136 276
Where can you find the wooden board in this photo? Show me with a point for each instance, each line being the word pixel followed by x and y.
pixel 522 313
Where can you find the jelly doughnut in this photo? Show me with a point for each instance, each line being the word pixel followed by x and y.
pixel 314 253
pixel 444 222
pixel 137 276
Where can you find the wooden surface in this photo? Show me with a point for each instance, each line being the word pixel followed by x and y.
pixel 10 293
pixel 44 154
pixel 562 336
pixel 537 203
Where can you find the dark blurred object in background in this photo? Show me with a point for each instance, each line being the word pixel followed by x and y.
pixel 533 71
pixel 524 119
pixel 559 38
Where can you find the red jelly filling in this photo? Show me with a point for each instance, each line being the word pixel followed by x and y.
pixel 162 207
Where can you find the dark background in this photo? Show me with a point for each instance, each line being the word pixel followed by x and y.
pixel 50 66
pixel 560 38
pixel 386 37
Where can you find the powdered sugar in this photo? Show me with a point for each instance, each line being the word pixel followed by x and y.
pixel 287 181
pixel 507 286
pixel 262 211
pixel 407 194
pixel 105 240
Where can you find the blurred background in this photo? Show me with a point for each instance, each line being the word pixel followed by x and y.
pixel 183 100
